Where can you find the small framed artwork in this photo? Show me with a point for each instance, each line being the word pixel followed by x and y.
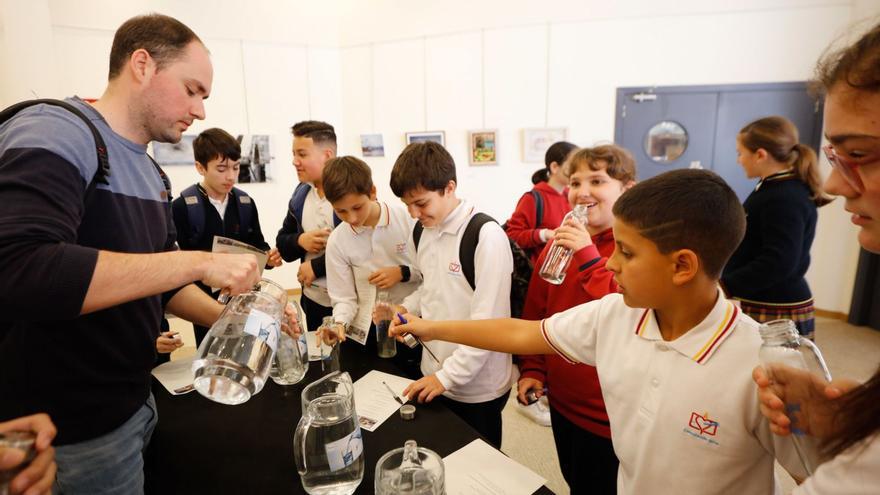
pixel 537 140
pixel 484 147
pixel 420 137
pixel 179 153
pixel 372 145
pixel 255 159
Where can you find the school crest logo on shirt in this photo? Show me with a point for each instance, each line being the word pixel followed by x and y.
pixel 702 427
pixel 400 248
pixel 454 268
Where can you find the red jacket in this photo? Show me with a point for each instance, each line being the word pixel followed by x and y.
pixel 573 389
pixel 521 226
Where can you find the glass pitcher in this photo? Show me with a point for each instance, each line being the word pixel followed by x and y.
pixel 410 470
pixel 291 361
pixel 783 345
pixel 383 313
pixel 233 362
pixel 328 446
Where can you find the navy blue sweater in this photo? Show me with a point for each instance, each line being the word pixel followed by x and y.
pixel 771 261
pixel 90 373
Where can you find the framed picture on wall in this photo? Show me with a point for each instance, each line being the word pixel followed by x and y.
pixel 537 140
pixel 483 147
pixel 255 159
pixel 372 145
pixel 179 153
pixel 420 137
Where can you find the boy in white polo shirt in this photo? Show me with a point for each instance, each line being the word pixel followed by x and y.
pixel 370 247
pixel 676 377
pixel 473 383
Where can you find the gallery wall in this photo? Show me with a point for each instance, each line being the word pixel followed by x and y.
pixel 388 66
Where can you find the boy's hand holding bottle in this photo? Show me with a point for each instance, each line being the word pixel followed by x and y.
pixel 573 235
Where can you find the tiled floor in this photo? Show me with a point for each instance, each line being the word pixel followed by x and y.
pixel 850 351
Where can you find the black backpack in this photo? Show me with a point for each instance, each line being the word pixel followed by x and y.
pixel 522 264
pixel 103 170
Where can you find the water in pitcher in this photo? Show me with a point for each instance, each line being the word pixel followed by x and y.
pixel 334 448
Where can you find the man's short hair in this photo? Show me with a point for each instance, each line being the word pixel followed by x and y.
pixel 425 165
pixel 346 175
pixel 164 38
pixel 686 209
pixel 214 143
pixel 618 162
pixel 320 132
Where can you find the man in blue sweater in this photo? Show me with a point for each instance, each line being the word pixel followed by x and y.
pixel 85 266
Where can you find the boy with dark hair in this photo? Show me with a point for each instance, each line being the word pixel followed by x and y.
pixel 673 356
pixel 310 217
pixel 474 383
pixel 215 206
pixel 372 249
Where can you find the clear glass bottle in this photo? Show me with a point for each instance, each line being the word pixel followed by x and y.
pixel 783 345
pixel 329 353
pixel 410 470
pixel 383 313
pixel 291 361
pixel 557 260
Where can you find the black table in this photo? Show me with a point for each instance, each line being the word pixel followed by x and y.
pixel 200 446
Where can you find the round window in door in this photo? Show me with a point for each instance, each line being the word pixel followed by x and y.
pixel 666 141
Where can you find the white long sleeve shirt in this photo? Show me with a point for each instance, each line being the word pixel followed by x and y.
pixel 469 374
pixel 368 248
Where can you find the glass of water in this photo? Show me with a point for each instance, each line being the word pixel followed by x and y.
pixel 383 313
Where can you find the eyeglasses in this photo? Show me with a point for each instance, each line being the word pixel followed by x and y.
pixel 846 168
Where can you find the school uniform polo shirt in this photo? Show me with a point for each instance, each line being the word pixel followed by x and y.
pixel 368 248
pixel 684 414
pixel 317 214
pixel 855 471
pixel 469 374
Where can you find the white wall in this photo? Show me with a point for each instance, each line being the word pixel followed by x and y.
pixel 391 66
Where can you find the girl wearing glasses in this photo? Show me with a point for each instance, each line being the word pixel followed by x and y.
pixel 766 273
pixel 845 414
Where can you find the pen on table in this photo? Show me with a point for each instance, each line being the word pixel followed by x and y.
pixel 403 320
pixel 392 393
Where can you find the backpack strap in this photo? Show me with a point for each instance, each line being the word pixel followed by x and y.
pixel 298 200
pixel 245 210
pixel 539 207
pixel 468 246
pixel 195 212
pixel 103 170
pixel 417 234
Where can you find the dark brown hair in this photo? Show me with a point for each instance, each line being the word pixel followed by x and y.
pixel 319 132
pixel 164 38
pixel 557 152
pixel 857 66
pixel 617 162
pixel 686 209
pixel 214 143
pixel 427 165
pixel 346 175
pixel 778 136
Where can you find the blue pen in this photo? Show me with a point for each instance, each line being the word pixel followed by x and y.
pixel 412 341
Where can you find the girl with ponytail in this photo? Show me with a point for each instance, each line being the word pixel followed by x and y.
pixel 541 210
pixel 766 273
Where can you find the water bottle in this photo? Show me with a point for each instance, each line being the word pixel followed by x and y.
pixel 783 345
pixel 383 313
pixel 557 260
pixel 22 440
pixel 291 361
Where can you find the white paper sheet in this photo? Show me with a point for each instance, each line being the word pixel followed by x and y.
pixel 231 246
pixel 480 469
pixel 373 401
pixel 360 325
pixel 176 376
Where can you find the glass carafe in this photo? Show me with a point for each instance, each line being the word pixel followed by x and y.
pixel 328 446
pixel 383 313
pixel 783 345
pixel 558 258
pixel 291 361
pixel 233 362
pixel 410 470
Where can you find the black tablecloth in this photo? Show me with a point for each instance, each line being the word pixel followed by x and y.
pixel 200 446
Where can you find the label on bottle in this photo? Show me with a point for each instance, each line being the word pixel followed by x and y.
pixel 263 327
pixel 343 452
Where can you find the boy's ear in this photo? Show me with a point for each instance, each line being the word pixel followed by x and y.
pixel 201 169
pixel 687 266
pixel 373 192
pixel 629 185
pixel 450 187
pixel 761 154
